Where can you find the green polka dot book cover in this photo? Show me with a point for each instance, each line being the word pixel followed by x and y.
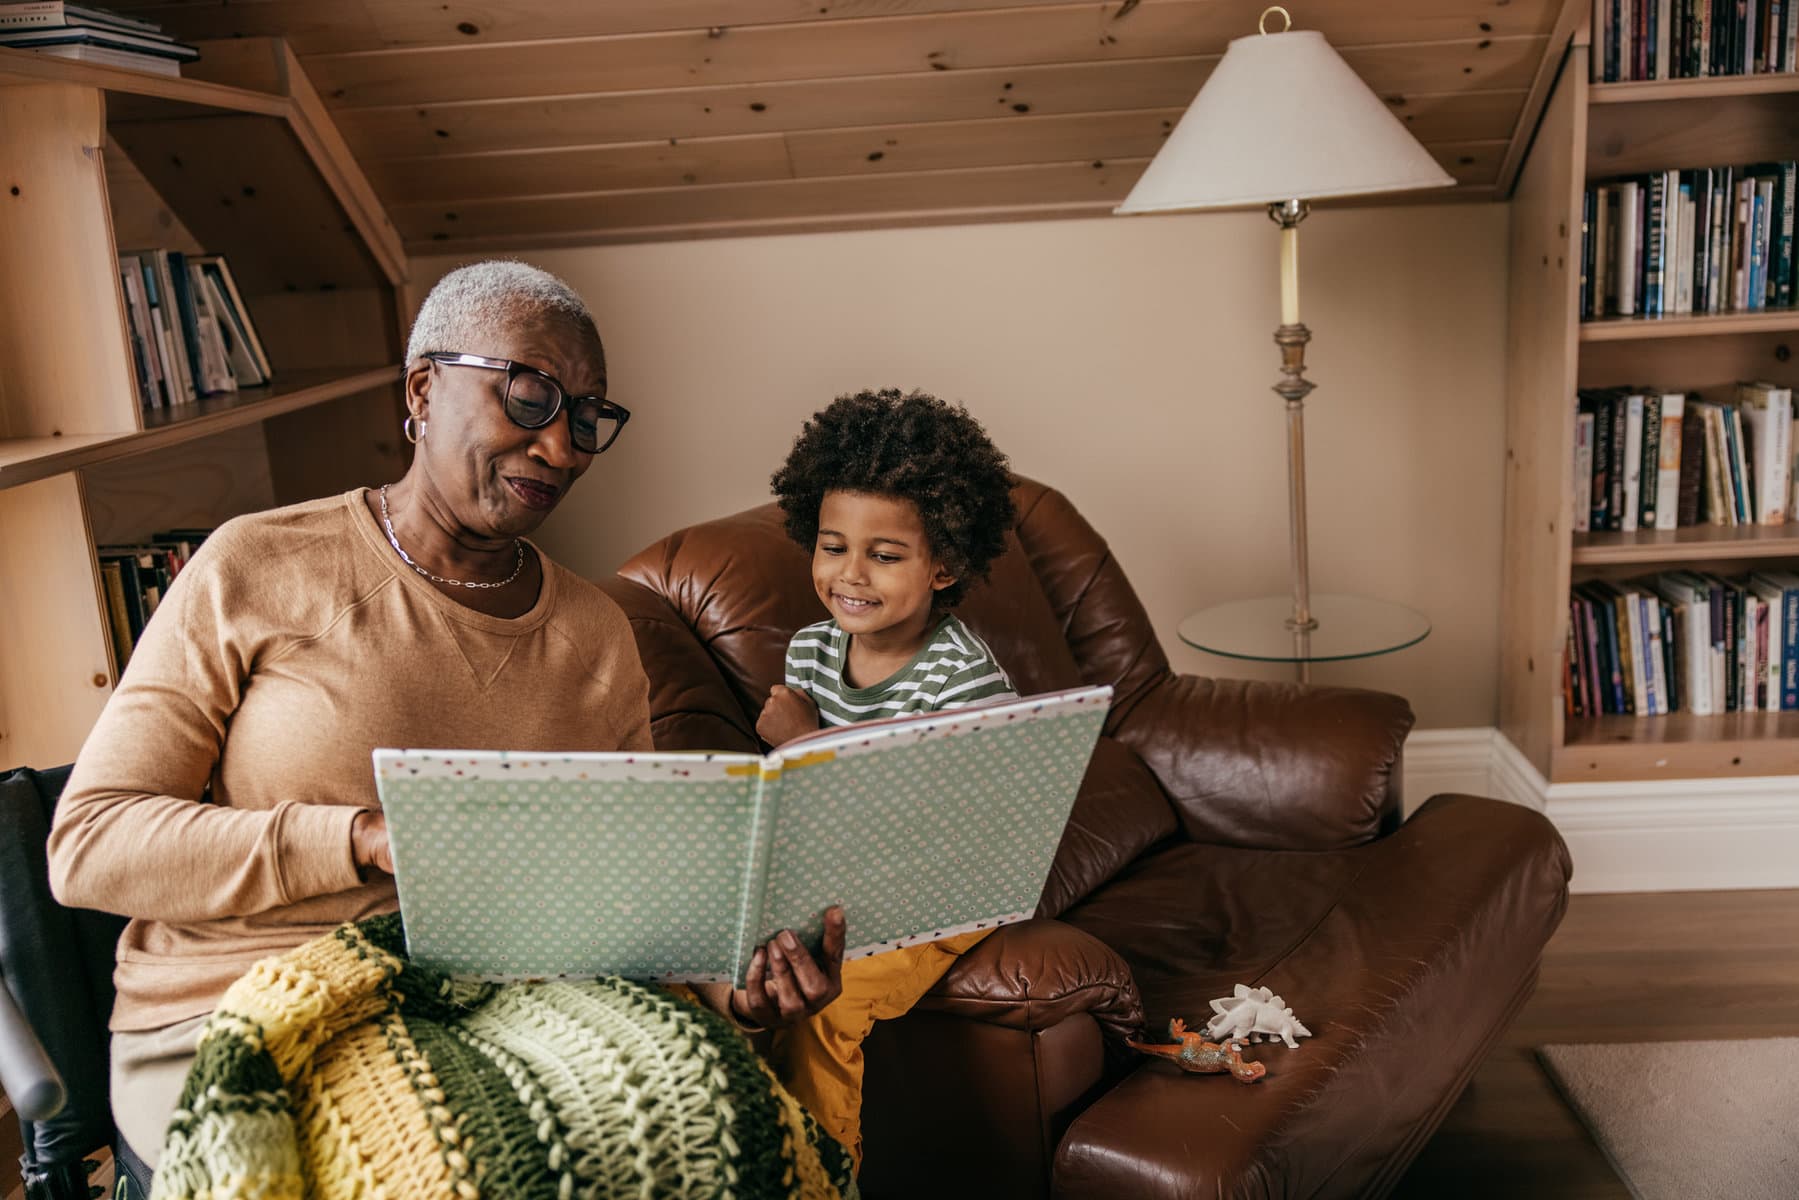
pixel 674 866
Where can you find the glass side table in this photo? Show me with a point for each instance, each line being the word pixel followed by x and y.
pixel 1347 627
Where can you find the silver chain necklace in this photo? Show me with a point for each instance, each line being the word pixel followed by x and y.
pixel 393 541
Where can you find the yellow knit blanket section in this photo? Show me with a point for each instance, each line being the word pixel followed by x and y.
pixel 339 1071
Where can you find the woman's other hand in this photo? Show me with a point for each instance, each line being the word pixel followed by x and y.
pixel 785 984
pixel 368 842
pixel 786 714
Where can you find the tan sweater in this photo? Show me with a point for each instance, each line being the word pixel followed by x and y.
pixel 291 647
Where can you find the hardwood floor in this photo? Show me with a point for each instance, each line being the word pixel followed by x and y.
pixel 1669 966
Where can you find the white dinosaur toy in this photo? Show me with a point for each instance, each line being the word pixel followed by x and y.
pixel 1253 1013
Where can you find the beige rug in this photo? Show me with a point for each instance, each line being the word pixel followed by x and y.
pixel 1690 1120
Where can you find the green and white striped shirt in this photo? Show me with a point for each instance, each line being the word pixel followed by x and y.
pixel 955 668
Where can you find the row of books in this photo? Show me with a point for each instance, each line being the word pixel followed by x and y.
pixel 91 34
pixel 1677 243
pixel 1683 641
pixel 1649 460
pixel 137 577
pixel 1691 39
pixel 191 333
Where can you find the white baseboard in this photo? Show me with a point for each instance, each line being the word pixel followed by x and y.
pixel 1653 836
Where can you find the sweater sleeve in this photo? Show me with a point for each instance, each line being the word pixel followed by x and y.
pixel 133 833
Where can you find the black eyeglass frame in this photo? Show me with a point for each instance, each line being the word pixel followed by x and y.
pixel 609 409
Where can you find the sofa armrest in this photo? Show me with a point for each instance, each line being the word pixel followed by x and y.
pixel 1036 974
pixel 1274 766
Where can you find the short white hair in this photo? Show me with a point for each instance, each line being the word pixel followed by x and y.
pixel 485 295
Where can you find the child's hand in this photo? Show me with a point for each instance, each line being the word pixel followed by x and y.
pixel 787 714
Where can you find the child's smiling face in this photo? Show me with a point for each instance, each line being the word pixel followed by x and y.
pixel 874 569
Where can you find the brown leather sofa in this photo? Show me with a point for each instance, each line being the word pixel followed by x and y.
pixel 1227 832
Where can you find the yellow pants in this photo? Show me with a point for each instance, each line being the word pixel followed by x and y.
pixel 820 1060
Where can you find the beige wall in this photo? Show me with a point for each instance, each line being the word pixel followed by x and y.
pixel 1127 362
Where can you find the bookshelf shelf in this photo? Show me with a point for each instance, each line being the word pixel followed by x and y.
pixel 1692 543
pixel 1637 329
pixel 1678 746
pixel 23 460
pixel 1712 87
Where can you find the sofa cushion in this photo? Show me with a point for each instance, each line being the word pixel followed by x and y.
pixel 1119 813
pixel 1405 958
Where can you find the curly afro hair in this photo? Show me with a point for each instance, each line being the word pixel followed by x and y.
pixel 911 447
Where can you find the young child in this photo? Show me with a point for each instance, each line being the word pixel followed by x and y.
pixel 904 503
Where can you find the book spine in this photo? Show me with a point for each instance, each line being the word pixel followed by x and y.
pixel 1587 258
pixel 1649 487
pixel 1789 649
pixel 1649 653
pixel 1602 464
pixel 1692 465
pixel 1628 257
pixel 1620 406
pixel 1668 461
pixel 1655 245
pixel 1591 629
pixel 1670 661
pixel 1605 258
pixel 1683 263
pixel 765 800
pixel 1583 472
pixel 1781 293
pixel 1633 463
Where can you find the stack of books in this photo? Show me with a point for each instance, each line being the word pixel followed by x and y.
pixel 91 34
pixel 1691 39
pixel 135 579
pixel 1684 641
pixel 1652 460
pixel 191 334
pixel 1680 243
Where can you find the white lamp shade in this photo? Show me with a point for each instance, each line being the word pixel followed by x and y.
pixel 1282 117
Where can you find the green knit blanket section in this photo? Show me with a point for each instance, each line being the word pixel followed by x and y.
pixel 340 1069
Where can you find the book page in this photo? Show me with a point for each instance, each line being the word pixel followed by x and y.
pixel 522 866
pixel 927 826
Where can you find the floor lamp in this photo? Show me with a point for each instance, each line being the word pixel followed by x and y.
pixel 1282 121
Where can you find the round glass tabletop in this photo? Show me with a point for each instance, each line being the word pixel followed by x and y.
pixel 1348 627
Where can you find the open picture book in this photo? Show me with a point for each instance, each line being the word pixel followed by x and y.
pixel 675 867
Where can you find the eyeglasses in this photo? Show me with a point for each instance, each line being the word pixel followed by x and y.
pixel 533 399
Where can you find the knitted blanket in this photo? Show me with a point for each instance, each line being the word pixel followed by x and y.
pixel 342 1070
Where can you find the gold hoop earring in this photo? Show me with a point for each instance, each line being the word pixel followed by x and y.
pixel 413 428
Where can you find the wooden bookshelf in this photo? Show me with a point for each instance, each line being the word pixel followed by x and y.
pixel 1588 132
pixel 240 159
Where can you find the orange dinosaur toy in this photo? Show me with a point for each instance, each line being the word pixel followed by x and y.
pixel 1192 1053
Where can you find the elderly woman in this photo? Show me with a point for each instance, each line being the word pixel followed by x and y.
pixel 225 800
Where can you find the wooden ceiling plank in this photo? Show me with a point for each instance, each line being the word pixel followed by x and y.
pixel 893 45
pixel 843 222
pixel 1395 72
pixel 1078 182
pixel 325 26
pixel 665 163
pixel 1055 183
pixel 1096 137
